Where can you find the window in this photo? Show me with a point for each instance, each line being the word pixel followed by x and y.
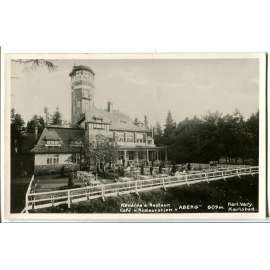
pixel 85 93
pixel 120 137
pixel 139 138
pixel 53 143
pixel 49 161
pixel 76 157
pixel 130 137
pixel 131 155
pixel 56 160
pixel 99 126
pixel 53 160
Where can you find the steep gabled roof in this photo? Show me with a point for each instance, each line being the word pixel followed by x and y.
pixel 117 120
pixel 51 134
pixel 64 135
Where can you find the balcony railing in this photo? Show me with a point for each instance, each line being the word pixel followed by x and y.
pixel 135 144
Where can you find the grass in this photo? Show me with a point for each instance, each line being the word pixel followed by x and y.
pixel 216 193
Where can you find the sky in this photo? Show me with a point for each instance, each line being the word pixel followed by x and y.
pixel 151 87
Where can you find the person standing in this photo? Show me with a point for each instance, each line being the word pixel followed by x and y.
pixel 142 169
pixel 151 170
pixel 173 169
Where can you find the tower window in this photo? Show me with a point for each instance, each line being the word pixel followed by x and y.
pixel 85 93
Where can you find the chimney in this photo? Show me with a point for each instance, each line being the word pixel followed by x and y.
pixel 109 106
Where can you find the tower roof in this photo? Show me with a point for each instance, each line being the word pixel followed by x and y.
pixel 81 67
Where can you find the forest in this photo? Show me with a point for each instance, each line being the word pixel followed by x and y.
pixel 228 138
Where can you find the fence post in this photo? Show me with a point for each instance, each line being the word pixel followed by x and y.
pixel 186 179
pixel 163 183
pixel 207 177
pixel 52 200
pixel 102 192
pixel 87 191
pixel 136 188
pixel 69 199
pixel 222 174
pixel 26 202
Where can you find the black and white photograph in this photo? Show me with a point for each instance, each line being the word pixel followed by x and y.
pixel 150 136
pixel 134 134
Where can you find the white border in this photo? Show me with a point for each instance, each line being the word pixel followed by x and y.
pixel 5 162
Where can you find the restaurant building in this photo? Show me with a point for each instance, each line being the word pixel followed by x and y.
pixel 60 146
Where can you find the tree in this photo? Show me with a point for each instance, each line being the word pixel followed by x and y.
pixel 158 134
pixel 211 146
pixel 16 129
pixel 169 125
pixel 57 117
pixel 169 129
pixel 99 151
pixel 186 141
pixel 213 136
pixel 252 135
pixel 16 140
pixel 36 122
pixel 36 63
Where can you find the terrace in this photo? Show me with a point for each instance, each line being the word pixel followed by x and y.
pixel 86 186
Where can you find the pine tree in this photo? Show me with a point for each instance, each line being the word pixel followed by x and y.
pixel 35 122
pixel 158 134
pixel 16 128
pixel 57 117
pixel 169 125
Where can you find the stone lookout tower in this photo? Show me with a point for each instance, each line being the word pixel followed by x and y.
pixel 82 91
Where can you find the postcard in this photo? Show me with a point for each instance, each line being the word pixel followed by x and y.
pixel 134 137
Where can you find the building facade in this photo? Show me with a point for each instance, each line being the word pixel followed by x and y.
pixel 62 146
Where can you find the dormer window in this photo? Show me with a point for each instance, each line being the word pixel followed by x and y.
pixel 53 143
pixel 99 126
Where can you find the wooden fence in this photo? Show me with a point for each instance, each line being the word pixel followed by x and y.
pixel 37 200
